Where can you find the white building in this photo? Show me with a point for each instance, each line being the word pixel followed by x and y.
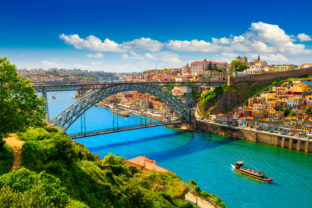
pixel 293 102
pixel 198 66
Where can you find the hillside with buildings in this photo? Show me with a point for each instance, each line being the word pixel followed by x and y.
pixel 284 107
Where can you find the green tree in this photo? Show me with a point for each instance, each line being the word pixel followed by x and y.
pixel 286 112
pixel 238 66
pixel 20 107
pixel 292 113
pixel 242 67
pixel 308 110
pixel 235 64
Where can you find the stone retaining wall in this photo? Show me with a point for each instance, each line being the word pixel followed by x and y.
pixel 272 76
pixel 283 141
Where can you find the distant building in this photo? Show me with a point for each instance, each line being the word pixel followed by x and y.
pixel 198 66
pixel 284 67
pixel 181 78
pixel 307 65
pixel 186 69
pixel 242 60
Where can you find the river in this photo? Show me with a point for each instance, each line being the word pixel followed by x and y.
pixel 203 157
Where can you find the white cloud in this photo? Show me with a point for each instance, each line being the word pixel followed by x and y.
pixel 96 63
pixel 193 46
pixel 150 56
pixel 304 37
pixel 169 58
pixel 271 58
pixel 225 56
pixel 143 44
pixel 132 56
pixel 51 64
pixel 162 57
pixel 270 41
pixel 276 37
pixel 92 43
pixel 96 55
pixel 223 40
pixel 95 44
pixel 260 38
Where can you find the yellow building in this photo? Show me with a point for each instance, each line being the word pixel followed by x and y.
pixel 301 87
pixel 284 67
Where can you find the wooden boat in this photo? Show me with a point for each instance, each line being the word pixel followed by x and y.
pixel 258 175
pixel 53 97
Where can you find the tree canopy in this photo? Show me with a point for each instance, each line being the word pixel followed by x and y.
pixel 20 107
pixel 308 110
pixel 238 66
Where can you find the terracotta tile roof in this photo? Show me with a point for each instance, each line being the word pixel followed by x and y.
pixel 147 164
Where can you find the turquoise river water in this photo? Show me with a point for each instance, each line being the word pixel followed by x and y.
pixel 204 157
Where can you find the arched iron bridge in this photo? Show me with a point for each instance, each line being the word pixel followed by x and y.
pixel 69 115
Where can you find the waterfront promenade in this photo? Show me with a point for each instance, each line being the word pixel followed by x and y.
pixel 254 135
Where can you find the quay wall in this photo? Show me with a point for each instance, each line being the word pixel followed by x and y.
pixel 272 76
pixel 283 141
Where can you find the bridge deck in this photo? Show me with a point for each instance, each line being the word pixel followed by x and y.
pixel 69 87
pixel 108 131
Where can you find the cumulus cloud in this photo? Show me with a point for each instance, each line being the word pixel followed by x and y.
pixel 225 56
pixel 268 40
pixel 260 38
pixel 92 43
pixel 271 58
pixel 170 58
pixel 304 37
pixel 143 44
pixel 193 46
pixel 132 56
pixel 96 55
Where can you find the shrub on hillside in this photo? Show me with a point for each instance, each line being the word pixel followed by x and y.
pixel 38 154
pixel 24 188
pixel 6 159
pixel 218 200
pixel 210 96
pixel 34 134
pixel 107 183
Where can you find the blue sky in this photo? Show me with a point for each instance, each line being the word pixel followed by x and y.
pixel 137 35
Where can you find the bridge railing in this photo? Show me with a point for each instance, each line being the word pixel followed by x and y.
pixel 122 128
pixel 61 87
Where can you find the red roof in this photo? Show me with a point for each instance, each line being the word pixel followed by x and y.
pixel 147 164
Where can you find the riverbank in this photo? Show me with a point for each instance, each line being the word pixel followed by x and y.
pixel 157 117
pixel 274 139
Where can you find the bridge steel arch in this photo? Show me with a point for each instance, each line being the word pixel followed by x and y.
pixel 69 115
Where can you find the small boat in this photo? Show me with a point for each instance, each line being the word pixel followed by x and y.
pixel 105 106
pixel 258 175
pixel 53 97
